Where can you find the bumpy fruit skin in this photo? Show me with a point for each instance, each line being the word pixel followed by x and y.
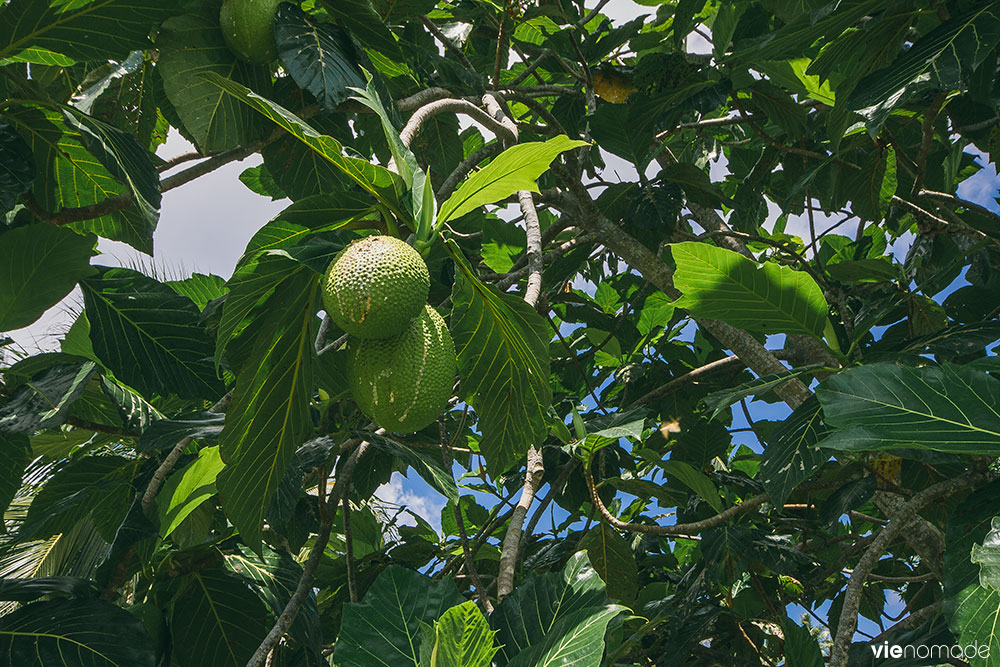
pixel 375 287
pixel 248 29
pixel 404 383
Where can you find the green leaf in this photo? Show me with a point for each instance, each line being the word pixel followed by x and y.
pixel 187 489
pixel 613 560
pixel 724 285
pixel 260 180
pixel 801 648
pixel 17 167
pixel 502 347
pixel 95 30
pixel 556 618
pixel 275 577
pixel 460 638
pixel 882 406
pixel 384 629
pixel 95 486
pixel 42 263
pixel 26 590
pixel 67 175
pixel 269 414
pixel 974 615
pixel 695 480
pixel 515 169
pixel 149 335
pixel 190 47
pixel 318 55
pixel 45 400
pixel 791 455
pixel 360 19
pixel 124 158
pixel 216 620
pixel 386 186
pixel 79 632
pixel 166 433
pixel 199 287
pixel 15 453
pixel 952 49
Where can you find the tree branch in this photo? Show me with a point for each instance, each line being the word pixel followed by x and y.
pixel 676 529
pixel 512 540
pixel 682 381
pixel 467 165
pixel 907 513
pixel 304 587
pixel 416 121
pixel 447 43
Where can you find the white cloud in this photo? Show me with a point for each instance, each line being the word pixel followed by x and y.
pixel 427 507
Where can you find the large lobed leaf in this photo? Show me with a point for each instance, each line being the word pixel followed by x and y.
pixel 79 632
pixel 318 55
pixel 612 558
pixel 792 454
pixel 216 620
pixel 149 335
pixel 946 408
pixel 95 30
pixel 191 46
pixel 556 618
pixel 769 298
pixel 42 263
pixel 384 629
pixel 503 359
pixel 460 638
pixel 269 414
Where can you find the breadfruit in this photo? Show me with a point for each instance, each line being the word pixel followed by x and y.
pixel 248 29
pixel 375 287
pixel 404 383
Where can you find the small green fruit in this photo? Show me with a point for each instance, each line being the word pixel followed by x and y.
pixel 375 287
pixel 404 383
pixel 248 29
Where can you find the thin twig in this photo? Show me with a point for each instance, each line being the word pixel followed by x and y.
pixel 304 587
pixel 352 576
pixel 676 529
pixel 447 43
pixel 669 387
pixel 467 165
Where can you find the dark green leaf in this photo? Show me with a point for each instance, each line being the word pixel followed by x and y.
pixel 269 414
pixel 42 263
pixel 85 31
pixel 319 56
pixel 17 167
pixel 200 288
pixel 77 632
pixel 612 559
pixel 384 629
pixel 557 618
pixel 881 406
pixel 15 453
pixel 431 469
pixel 801 648
pixel 45 401
pixel 191 46
pixel 791 455
pixel 149 335
pixel 216 620
pixel 165 433
pixel 26 590
pixel 720 400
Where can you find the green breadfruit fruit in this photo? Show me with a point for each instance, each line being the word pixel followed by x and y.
pixel 375 287
pixel 404 383
pixel 248 29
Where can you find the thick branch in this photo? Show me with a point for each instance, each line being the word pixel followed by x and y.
pixel 453 105
pixel 161 472
pixel 512 540
pixel 907 513
pixel 533 232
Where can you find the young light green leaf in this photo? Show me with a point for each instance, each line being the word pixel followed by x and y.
pixel 187 489
pixel 515 169
pixel 460 638
pixel 724 285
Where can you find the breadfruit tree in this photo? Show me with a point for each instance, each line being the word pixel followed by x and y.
pixel 692 326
